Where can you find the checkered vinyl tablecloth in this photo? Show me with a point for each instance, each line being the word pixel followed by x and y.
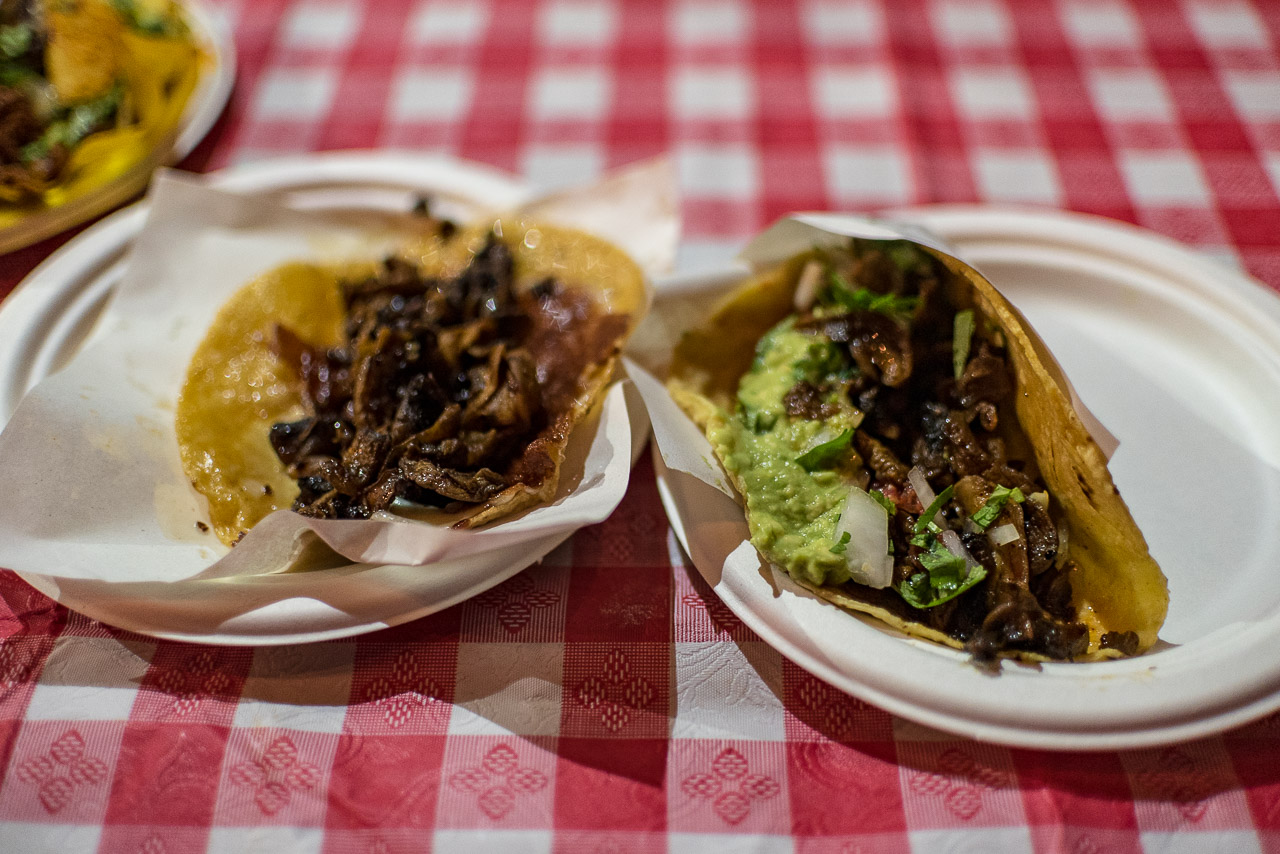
pixel 606 701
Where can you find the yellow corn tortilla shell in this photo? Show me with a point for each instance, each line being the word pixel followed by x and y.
pixel 237 387
pixel 1117 585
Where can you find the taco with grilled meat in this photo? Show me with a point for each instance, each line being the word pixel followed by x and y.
pixel 906 448
pixel 449 375
pixel 89 89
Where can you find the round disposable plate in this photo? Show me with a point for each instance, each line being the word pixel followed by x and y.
pixel 201 112
pixel 1180 358
pixel 48 317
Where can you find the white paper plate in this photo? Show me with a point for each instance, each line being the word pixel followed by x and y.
pixel 202 110
pixel 1180 358
pixel 48 317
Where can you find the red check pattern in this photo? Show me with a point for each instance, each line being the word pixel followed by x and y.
pixel 606 700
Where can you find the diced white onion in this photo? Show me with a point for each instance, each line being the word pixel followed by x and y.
pixel 1002 534
pixel 807 285
pixel 925 493
pixel 955 545
pixel 1061 557
pixel 867 552
pixel 1041 498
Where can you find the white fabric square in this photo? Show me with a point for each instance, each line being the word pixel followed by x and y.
pixel 1256 94
pixel 1016 176
pixel 1230 24
pixel 867 174
pixel 89 679
pixel 992 93
pixel 971 23
pixel 571 23
pixel 490 841
pixel 304 687
pixel 449 22
pixel 1130 94
pixel 855 92
pixel 437 94
pixel 712 93
pixel 973 840
pixel 321 25
pixel 44 838
pixel 237 840
pixel 553 166
pixel 1202 842
pixel 1272 164
pixel 505 689
pixel 296 94
pixel 843 22
pixel 724 843
pixel 1163 178
pixel 577 93
pixel 718 171
pixel 711 22
pixel 728 690
pixel 1100 23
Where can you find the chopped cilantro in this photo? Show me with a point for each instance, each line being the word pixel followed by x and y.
pixel 15 41
pixel 839 547
pixel 905 256
pixel 77 123
pixel 944 578
pixel 825 455
pixel 961 340
pixel 149 21
pixel 844 295
pixel 988 512
pixel 883 501
pixel 937 504
pixel 823 361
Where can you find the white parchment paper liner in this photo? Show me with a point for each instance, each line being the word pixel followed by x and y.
pixel 96 489
pixel 682 444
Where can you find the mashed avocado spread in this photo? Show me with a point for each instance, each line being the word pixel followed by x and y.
pixel 797 471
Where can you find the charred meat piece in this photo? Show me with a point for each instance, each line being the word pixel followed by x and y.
pixel 436 393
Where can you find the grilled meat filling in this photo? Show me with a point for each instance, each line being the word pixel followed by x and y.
pixel 444 390
pixel 955 427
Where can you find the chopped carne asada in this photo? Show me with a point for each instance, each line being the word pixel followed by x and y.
pixel 443 391
pixel 898 368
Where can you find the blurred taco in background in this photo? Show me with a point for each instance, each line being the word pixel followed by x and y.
pixel 89 90
pixel 449 375
pixel 906 448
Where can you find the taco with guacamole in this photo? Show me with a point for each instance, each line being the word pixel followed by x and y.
pixel 449 375
pixel 906 448
pixel 89 89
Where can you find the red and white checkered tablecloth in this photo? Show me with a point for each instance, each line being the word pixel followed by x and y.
pixel 606 700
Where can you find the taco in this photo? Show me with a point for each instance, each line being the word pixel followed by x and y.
pixel 450 375
pixel 906 448
pixel 89 90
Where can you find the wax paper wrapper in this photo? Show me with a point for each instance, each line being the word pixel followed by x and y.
pixel 684 302
pixel 95 487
